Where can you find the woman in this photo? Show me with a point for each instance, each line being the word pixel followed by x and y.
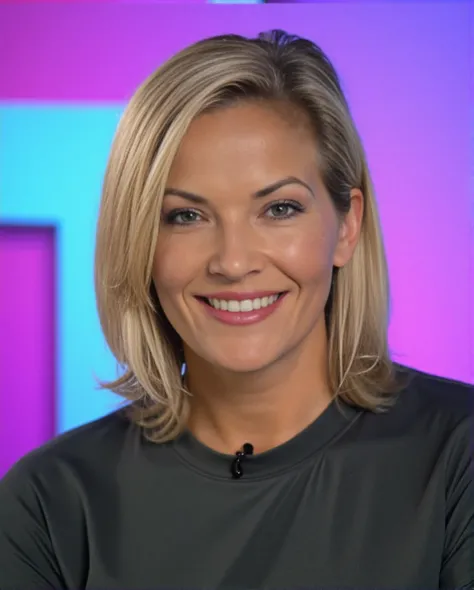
pixel 269 441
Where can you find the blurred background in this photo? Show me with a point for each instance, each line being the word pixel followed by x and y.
pixel 66 71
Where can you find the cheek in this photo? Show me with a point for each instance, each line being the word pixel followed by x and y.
pixel 172 269
pixel 308 257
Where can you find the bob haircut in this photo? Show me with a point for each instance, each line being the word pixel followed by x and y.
pixel 212 74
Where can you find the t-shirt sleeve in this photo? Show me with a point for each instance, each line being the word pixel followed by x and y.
pixel 27 560
pixel 457 570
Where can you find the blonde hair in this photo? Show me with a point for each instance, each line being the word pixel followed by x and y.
pixel 211 74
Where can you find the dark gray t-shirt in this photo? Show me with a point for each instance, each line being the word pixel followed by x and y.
pixel 355 501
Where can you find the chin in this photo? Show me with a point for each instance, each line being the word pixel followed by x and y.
pixel 243 363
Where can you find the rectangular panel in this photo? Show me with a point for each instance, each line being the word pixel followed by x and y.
pixel 27 340
pixel 126 42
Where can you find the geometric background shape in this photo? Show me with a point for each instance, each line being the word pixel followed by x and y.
pixel 48 59
pixel 27 342
pixel 52 159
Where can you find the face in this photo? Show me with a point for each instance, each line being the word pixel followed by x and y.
pixel 248 238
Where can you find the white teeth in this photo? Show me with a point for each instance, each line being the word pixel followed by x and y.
pixel 245 305
pixel 233 306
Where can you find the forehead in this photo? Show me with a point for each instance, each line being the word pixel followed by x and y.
pixel 249 143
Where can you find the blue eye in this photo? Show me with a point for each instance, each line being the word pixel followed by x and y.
pixel 284 209
pixel 182 217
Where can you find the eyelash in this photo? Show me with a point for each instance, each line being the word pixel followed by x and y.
pixel 171 217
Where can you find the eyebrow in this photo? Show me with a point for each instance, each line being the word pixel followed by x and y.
pixel 260 194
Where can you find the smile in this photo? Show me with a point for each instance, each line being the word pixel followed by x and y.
pixel 242 311
pixel 235 306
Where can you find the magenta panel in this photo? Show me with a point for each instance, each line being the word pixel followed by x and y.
pixel 101 52
pixel 27 356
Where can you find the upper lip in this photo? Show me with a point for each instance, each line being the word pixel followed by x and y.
pixel 231 295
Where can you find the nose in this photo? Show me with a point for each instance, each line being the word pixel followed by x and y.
pixel 237 252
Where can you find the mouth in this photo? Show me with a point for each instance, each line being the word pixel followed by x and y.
pixel 242 305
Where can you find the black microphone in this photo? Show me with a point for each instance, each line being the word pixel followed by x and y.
pixel 236 467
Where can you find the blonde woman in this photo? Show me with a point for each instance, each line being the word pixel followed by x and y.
pixel 268 440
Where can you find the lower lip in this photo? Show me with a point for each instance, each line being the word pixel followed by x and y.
pixel 242 318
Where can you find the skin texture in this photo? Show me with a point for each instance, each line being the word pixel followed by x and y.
pixel 267 381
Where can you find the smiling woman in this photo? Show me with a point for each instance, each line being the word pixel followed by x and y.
pixel 268 441
pixel 265 209
pixel 248 175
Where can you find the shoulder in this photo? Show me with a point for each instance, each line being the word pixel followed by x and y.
pixel 438 397
pixel 46 499
pixel 436 410
pixel 429 413
pixel 94 446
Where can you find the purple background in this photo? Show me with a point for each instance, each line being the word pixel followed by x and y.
pixel 27 345
pixel 407 70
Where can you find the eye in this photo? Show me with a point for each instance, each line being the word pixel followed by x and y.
pixel 182 217
pixel 284 209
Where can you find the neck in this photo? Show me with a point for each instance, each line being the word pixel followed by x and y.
pixel 266 407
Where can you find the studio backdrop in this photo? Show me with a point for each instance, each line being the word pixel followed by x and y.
pixel 66 72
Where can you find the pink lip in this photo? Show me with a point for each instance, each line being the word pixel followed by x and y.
pixel 231 295
pixel 241 318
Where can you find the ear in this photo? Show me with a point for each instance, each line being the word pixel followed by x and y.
pixel 349 229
